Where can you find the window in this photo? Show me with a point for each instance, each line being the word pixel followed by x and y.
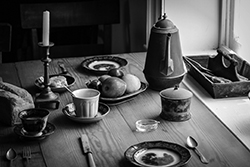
pixel 204 25
pixel 198 22
pixel 239 27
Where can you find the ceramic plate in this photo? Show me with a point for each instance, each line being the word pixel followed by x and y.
pixel 124 98
pixel 157 154
pixel 50 128
pixel 69 111
pixel 70 81
pixel 101 65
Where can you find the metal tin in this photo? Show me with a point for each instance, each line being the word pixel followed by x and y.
pixel 175 104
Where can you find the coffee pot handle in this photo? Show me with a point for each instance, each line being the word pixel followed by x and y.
pixel 167 64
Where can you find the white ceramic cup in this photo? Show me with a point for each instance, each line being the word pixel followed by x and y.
pixel 86 102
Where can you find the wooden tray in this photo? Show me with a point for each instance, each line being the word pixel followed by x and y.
pixel 225 65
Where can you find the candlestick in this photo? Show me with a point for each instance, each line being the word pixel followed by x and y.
pixel 46 25
pixel 47 98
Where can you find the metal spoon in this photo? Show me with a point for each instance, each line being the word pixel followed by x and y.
pixel 72 94
pixel 192 143
pixel 11 155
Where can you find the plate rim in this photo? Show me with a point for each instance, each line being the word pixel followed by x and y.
pixel 86 120
pixel 136 148
pixel 19 126
pixel 108 100
pixel 87 61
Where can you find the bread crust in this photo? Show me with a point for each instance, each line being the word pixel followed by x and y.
pixel 13 99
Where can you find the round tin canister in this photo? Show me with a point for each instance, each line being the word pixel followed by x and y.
pixel 175 103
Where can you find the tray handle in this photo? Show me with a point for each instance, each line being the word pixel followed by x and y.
pixel 219 68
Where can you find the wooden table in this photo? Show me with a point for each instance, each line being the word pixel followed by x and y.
pixel 110 137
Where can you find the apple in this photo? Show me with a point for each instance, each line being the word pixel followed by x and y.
pixel 113 87
pixel 116 72
pixel 103 77
pixel 133 83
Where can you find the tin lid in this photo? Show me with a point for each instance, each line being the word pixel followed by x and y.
pixel 176 93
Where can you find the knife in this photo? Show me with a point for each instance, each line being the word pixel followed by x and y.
pixel 87 149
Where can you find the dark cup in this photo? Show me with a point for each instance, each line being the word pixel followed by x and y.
pixel 34 120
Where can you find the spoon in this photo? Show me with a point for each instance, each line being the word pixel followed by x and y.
pixel 72 94
pixel 192 143
pixel 11 155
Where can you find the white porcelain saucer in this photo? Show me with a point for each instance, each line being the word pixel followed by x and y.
pixel 69 111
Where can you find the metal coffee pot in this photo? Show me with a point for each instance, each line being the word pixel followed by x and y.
pixel 164 67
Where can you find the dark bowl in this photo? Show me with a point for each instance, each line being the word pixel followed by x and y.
pixel 70 81
pixel 34 120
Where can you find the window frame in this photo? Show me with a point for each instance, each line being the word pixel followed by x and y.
pixel 226 31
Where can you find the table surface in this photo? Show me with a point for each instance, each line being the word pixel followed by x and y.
pixel 110 137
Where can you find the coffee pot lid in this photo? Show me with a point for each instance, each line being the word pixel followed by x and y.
pixel 176 93
pixel 165 23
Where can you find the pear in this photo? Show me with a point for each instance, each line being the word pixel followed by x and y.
pixel 133 83
pixel 113 87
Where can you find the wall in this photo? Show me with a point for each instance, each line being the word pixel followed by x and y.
pixel 130 34
pixel 198 23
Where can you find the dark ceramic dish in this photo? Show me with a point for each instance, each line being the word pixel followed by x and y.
pixel 34 120
pixel 102 64
pixel 49 130
pixel 157 153
pixel 70 80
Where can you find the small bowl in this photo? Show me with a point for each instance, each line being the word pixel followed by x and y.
pixel 146 125
pixel 34 120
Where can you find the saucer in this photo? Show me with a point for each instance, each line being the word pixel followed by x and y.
pixel 50 128
pixel 69 111
pixel 24 132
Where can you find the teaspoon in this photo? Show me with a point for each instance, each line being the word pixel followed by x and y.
pixel 72 94
pixel 192 143
pixel 11 155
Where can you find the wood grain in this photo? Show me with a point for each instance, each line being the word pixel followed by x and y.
pixel 110 137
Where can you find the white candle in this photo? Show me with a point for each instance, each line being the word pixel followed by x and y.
pixel 46 28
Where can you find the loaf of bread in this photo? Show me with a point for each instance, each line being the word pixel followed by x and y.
pixel 13 99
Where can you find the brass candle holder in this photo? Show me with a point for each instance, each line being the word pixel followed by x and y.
pixel 47 98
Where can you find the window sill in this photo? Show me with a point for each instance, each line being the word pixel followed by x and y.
pixel 234 113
